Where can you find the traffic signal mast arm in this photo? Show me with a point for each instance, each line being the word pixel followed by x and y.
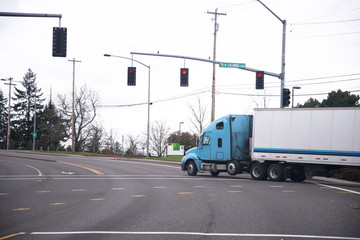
pixel 205 60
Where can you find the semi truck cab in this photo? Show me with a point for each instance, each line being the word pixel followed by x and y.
pixel 221 146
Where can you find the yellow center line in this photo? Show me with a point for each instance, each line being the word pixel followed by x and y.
pixel 21 209
pixel 97 199
pixel 234 191
pixel 183 193
pixel 57 203
pixel 76 165
pixel 12 235
pixel 288 191
pixel 135 196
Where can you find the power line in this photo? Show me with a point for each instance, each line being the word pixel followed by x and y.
pixel 276 95
pixel 313 23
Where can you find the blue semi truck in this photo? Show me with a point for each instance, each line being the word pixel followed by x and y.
pixel 277 143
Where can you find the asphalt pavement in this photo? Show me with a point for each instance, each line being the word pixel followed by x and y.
pixel 74 197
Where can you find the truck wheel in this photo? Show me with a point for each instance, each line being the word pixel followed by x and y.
pixel 258 171
pixel 276 172
pixel 191 168
pixel 298 174
pixel 214 174
pixel 233 167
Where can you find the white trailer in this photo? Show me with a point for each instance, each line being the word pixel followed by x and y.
pixel 303 136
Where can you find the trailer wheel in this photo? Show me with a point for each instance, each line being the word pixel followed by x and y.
pixel 298 174
pixel 233 167
pixel 258 171
pixel 276 172
pixel 191 168
pixel 214 174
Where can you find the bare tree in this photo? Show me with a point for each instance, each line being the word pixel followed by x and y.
pixel 94 142
pixel 159 133
pixel 133 142
pixel 109 143
pixel 261 100
pixel 85 113
pixel 199 117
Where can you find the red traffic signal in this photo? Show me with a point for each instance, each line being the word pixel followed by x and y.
pixel 260 80
pixel 131 76
pixel 184 77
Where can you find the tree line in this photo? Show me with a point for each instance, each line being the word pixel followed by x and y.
pixel 53 124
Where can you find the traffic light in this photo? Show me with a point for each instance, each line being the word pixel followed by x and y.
pixel 59 42
pixel 131 76
pixel 260 80
pixel 184 77
pixel 286 97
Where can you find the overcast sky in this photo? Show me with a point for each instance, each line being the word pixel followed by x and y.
pixel 322 53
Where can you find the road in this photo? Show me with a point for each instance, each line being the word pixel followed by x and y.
pixel 74 197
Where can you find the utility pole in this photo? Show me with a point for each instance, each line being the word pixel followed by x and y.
pixel 216 28
pixel 73 106
pixel 9 107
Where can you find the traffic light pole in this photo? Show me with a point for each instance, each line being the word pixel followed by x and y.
pixel 282 75
pixel 148 103
pixel 13 14
pixel 205 60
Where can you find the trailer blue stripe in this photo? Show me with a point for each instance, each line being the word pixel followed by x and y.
pixel 308 151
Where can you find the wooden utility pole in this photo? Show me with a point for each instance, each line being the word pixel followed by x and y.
pixel 216 28
pixel 73 106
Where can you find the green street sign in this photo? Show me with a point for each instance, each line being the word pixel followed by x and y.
pixel 232 65
pixel 34 135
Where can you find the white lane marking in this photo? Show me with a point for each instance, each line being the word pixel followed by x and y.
pixel 78 190
pixel 159 187
pixel 198 234
pixel 3 194
pixel 39 172
pixel 42 191
pixel 236 186
pixel 342 189
pixel 276 186
pixel 67 173
pixel 115 189
pixel 198 186
pixel 144 163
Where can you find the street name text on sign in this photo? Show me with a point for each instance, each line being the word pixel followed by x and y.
pixel 232 65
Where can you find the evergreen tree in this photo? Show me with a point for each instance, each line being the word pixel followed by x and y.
pixel 3 120
pixel 24 108
pixel 334 99
pixel 51 128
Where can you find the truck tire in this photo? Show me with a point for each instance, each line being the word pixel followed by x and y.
pixel 214 174
pixel 258 171
pixel 276 172
pixel 233 167
pixel 191 168
pixel 298 174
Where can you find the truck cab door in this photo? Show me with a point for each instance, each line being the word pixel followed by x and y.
pixel 204 149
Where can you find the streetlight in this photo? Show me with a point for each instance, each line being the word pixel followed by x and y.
pixel 8 127
pixel 282 75
pixel 180 127
pixel 292 98
pixel 148 103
